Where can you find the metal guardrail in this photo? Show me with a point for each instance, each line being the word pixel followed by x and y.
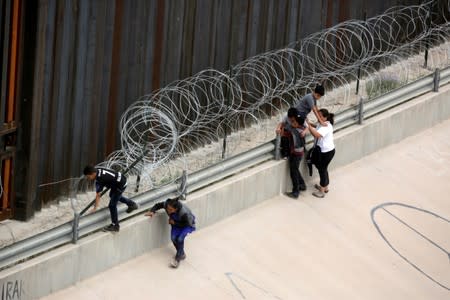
pixel 64 234
pixel 356 114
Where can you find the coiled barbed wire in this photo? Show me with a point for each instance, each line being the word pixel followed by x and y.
pixel 200 110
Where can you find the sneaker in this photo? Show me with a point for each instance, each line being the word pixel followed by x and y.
pixel 112 227
pixel 132 207
pixel 293 195
pixel 175 263
pixel 318 194
pixel 183 257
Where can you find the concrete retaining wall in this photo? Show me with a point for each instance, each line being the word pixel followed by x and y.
pixel 98 252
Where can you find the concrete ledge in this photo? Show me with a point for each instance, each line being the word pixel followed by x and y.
pixel 98 252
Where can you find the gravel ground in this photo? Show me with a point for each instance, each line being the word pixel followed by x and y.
pixel 342 97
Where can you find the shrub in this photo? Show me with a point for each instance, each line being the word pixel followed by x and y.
pixel 382 84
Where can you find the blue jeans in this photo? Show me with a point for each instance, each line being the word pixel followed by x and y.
pixel 178 234
pixel 116 196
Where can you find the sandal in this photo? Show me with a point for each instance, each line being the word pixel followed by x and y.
pixel 318 188
pixel 318 194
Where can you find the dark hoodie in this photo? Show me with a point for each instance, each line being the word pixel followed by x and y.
pixel 182 217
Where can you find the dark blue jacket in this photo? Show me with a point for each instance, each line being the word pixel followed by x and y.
pixel 182 217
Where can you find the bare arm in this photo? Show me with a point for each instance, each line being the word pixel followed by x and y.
pixel 318 116
pixel 314 131
pixel 97 201
pixel 155 208
pixel 279 128
pixel 304 132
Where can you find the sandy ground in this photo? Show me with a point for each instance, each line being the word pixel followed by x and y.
pixel 349 245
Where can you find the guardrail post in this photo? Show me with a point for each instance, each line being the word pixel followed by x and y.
pixel 183 185
pixel 138 178
pixel 224 146
pixel 138 181
pixel 436 80
pixel 359 67
pixel 357 80
pixel 76 221
pixel 278 147
pixel 360 110
pixel 425 64
pixel 225 121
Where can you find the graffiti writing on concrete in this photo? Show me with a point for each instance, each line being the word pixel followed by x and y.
pixel 12 290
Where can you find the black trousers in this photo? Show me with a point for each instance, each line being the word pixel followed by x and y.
pixel 323 160
pixel 296 176
pixel 285 147
pixel 116 196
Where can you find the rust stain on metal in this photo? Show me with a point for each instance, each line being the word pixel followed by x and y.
pixel 329 21
pixel 343 10
pixel 114 84
pixel 159 42
pixel 7 162
pixel 13 62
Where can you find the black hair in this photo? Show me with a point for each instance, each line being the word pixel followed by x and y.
pixel 319 90
pixel 293 113
pixel 327 115
pixel 88 170
pixel 300 120
pixel 173 202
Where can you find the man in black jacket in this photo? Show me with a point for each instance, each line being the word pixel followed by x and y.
pixel 117 182
pixel 182 221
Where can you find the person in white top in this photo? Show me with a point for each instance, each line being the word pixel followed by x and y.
pixel 324 142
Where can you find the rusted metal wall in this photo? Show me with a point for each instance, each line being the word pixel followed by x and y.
pixel 93 58
pixel 10 34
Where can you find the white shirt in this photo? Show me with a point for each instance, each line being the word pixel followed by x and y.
pixel 326 142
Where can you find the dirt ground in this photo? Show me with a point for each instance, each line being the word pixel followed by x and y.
pixel 336 100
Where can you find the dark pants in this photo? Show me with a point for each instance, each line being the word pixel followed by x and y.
pixel 116 196
pixel 178 234
pixel 285 146
pixel 296 176
pixel 323 160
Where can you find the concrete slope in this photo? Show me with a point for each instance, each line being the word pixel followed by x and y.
pixel 382 232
